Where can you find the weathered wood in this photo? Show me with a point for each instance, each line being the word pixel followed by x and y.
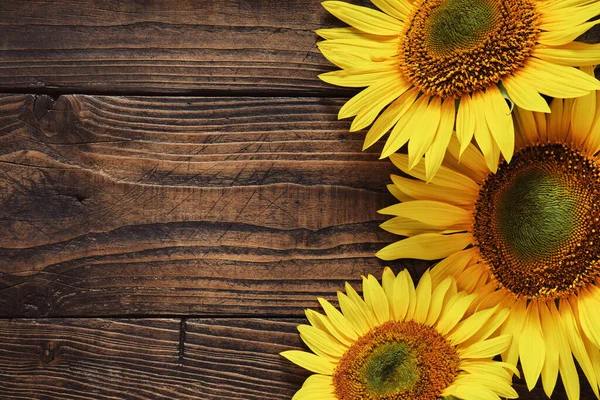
pixel 167 46
pixel 175 46
pixel 214 206
pixel 209 359
pixel 146 359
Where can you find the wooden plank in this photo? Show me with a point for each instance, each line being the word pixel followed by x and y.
pixel 174 46
pixel 144 358
pixel 211 206
pixel 167 46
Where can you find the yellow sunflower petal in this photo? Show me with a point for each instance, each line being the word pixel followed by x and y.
pixel 588 307
pixel 321 343
pixel 524 95
pixel 427 246
pixel 498 384
pixel 467 281
pixel 323 323
pixel 313 394
pixel 486 348
pixel 453 312
pixel 527 129
pixel 365 19
pixel 412 121
pixel 434 213
pixel 568 17
pixel 318 381
pixel 551 340
pixel 376 299
pixel 470 326
pixel 556 80
pixel 405 296
pixel 490 326
pixel 420 190
pixel 465 122
pixel 358 53
pixel 387 282
pixel 369 112
pixel 567 369
pixel 472 163
pixel 395 8
pixel 362 305
pixel 435 154
pixel 592 142
pixel 423 298
pixel 437 300
pixel 574 54
pixel 470 391
pixel 309 361
pixel 561 6
pixel 409 227
pixel 489 368
pixel 452 265
pixel 338 320
pixel 419 144
pixel 560 37
pixel 346 32
pixel 513 327
pixel 573 333
pixel 489 296
pixel 360 76
pixel 582 117
pixel 390 117
pixel 499 120
pixel 483 136
pixel 445 177
pixel 385 91
pixel 397 193
pixel 353 314
pixel 532 350
pixel 541 123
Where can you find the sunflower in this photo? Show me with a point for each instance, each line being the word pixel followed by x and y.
pixel 437 64
pixel 526 237
pixel 403 343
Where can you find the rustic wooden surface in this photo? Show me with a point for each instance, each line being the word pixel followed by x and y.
pixel 175 189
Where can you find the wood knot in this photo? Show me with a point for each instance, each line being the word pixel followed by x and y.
pixel 47 355
pixel 50 115
pixel 35 304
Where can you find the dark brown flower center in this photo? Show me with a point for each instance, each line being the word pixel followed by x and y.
pixel 397 360
pixel 537 221
pixel 454 47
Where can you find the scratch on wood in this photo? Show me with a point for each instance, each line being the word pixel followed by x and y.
pixel 181 346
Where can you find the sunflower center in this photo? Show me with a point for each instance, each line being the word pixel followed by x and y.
pixel 390 367
pixel 454 47
pixel 537 220
pixel 537 214
pixel 397 360
pixel 460 25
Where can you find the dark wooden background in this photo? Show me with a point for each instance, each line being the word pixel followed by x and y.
pixel 175 189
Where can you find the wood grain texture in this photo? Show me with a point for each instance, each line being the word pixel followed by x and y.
pixel 212 206
pixel 209 359
pixel 174 46
pixel 146 359
pixel 166 46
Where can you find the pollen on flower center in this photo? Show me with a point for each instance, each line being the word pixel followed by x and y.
pixel 537 221
pixel 454 47
pixel 403 360
pixel 460 25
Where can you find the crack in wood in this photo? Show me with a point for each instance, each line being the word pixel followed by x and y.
pixel 181 345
